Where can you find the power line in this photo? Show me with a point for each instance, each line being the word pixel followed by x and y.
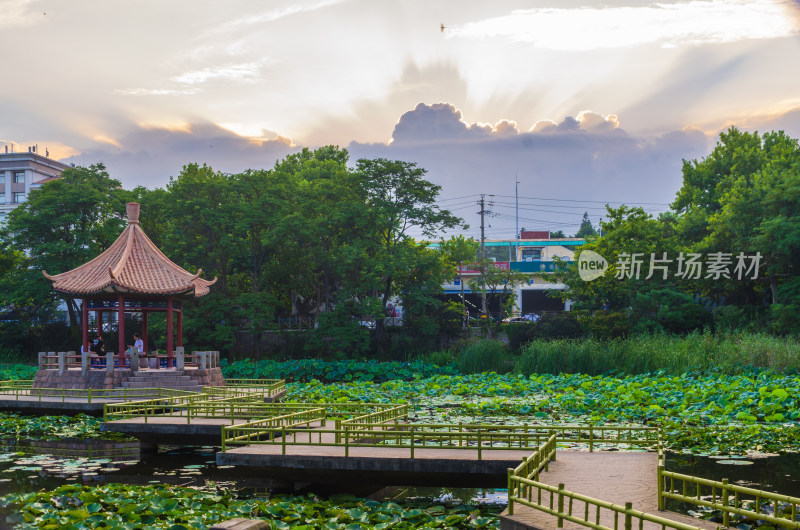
pixel 602 208
pixel 457 198
pixel 597 202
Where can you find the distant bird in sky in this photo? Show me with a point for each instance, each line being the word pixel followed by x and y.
pixel 442 26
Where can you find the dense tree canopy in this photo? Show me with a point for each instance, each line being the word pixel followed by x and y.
pixel 737 215
pixel 310 236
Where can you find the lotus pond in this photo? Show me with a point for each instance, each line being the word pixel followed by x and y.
pixel 743 427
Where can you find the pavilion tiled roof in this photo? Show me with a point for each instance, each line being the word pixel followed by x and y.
pixel 134 265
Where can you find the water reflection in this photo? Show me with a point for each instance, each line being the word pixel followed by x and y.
pixel 31 465
pixel 776 473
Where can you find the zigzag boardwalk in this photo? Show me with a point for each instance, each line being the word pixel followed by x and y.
pixel 616 476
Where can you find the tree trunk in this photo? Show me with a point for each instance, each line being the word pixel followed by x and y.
pixel 773 287
pixel 72 311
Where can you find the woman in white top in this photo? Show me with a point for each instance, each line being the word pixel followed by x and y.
pixel 138 343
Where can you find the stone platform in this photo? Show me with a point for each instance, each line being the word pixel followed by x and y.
pixel 189 378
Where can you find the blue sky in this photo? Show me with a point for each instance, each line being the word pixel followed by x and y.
pixel 584 101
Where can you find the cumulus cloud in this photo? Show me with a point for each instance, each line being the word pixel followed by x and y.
pixel 443 121
pixel 584 157
pixel 148 156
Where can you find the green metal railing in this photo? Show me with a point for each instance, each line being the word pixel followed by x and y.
pixel 170 402
pixel 566 505
pixel 254 431
pixel 89 394
pixel 393 434
pixel 271 387
pixel 730 499
pixel 16 383
pixel 247 407
pixel 525 489
pixel 480 437
pixel 529 469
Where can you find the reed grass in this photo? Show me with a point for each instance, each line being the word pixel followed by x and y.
pixel 484 356
pixel 729 353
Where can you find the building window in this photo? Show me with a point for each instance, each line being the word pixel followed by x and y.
pixel 2 177
pixel 19 176
pixel 19 197
pixel 2 198
pixel 531 253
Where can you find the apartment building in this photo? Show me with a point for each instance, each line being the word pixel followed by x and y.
pixel 535 256
pixel 20 173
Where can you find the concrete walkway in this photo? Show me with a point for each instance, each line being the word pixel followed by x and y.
pixel 616 477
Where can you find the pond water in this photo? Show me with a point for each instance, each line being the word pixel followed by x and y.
pixel 48 464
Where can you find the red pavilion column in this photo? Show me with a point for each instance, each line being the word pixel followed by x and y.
pixel 85 325
pixel 144 330
pixel 121 330
pixel 180 326
pixel 98 315
pixel 169 333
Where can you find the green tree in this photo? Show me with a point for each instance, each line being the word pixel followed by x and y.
pixel 398 201
pixel 461 251
pixel 497 286
pixel 586 229
pixel 66 223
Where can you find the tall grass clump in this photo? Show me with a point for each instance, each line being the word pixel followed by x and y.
pixel 730 353
pixel 484 356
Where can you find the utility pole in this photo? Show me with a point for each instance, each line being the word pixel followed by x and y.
pixel 483 261
pixel 516 222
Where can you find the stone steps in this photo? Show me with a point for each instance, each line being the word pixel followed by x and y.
pixel 174 379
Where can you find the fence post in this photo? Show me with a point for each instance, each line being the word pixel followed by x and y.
pixel 346 441
pixel 203 361
pixel 510 473
pixel 560 505
pixel 84 362
pixel 411 431
pixel 62 362
pixel 110 362
pixel 591 439
pixel 660 487
pixel 726 516
pixel 42 359
pixel 179 357
pixel 135 361
pixel 283 439
pixel 628 517
pixel 479 446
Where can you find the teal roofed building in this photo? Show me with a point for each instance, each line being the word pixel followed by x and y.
pixel 536 256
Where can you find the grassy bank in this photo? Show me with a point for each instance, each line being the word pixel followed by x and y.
pixel 730 353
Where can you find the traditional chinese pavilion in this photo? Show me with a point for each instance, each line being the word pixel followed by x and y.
pixel 132 276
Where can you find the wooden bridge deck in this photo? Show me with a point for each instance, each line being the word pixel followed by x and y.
pixel 617 477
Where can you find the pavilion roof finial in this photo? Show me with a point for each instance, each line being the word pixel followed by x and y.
pixel 133 213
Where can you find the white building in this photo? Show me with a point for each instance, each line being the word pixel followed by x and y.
pixel 533 256
pixel 22 172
